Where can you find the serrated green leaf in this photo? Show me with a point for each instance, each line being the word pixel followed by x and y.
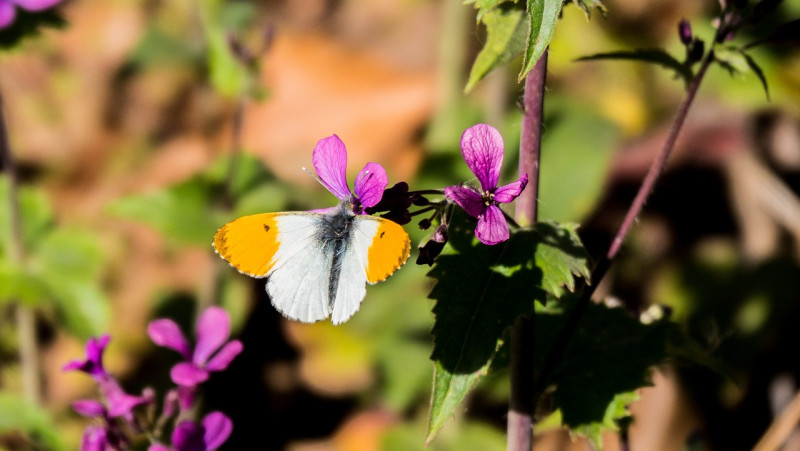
pixel 586 5
pixel 654 56
pixel 18 415
pixel 480 291
pixel 609 354
pixel 560 256
pixel 751 63
pixel 542 16
pixel 617 410
pixel 506 29
pixel 731 60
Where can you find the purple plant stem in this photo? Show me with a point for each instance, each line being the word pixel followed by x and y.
pixel 26 319
pixel 521 406
pixel 599 271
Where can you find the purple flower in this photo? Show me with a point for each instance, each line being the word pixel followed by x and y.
pixel 120 404
pixel 93 364
pixel 330 162
pixel 8 10
pixel 95 438
pixel 214 429
pixel 213 351
pixel 482 148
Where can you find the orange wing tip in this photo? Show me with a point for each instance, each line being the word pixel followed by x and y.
pixel 400 262
pixel 220 245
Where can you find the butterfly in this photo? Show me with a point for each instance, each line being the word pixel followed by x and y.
pixel 317 263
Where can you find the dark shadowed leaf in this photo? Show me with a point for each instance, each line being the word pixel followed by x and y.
pixel 784 34
pixel 506 28
pixel 654 56
pixel 609 354
pixel 542 16
pixel 480 291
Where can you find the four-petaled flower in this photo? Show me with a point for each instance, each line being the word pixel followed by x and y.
pixel 330 162
pixel 482 148
pixel 213 351
pixel 209 435
pixel 8 10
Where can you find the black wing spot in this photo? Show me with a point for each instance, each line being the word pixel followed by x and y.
pixel 266 228
pixel 382 234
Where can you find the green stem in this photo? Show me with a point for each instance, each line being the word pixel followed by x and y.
pixel 25 316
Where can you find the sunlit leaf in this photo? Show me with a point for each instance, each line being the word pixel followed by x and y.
pixel 560 256
pixel 484 6
pixel 228 76
pixel 35 215
pixel 506 28
pixel 542 16
pixel 751 63
pixel 71 253
pixel 17 284
pixel 18 415
pixel 654 56
pixel 83 307
pixel 616 410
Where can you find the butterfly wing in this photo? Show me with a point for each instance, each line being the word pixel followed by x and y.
pixel 285 248
pixel 378 247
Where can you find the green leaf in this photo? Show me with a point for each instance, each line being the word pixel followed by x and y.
pixel 616 410
pixel 18 415
pixel 36 215
pixel 784 34
pixel 228 76
pixel 569 187
pixel 751 63
pixel 182 212
pixel 560 256
pixel 654 56
pixel 505 39
pixel 609 353
pixel 542 16
pixel 732 60
pixel 17 284
pixel 479 291
pixel 83 307
pixel 484 6
pixel 586 5
pixel 72 253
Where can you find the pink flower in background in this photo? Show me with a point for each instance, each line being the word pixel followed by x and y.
pixel 8 8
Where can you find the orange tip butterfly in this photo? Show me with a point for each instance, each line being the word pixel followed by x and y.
pixel 317 263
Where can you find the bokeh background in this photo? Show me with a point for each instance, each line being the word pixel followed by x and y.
pixel 124 121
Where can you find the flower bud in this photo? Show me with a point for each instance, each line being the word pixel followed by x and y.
pixel 685 32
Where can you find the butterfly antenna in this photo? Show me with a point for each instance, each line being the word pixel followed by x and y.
pixel 314 176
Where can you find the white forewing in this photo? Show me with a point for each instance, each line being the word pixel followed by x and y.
pixel 298 283
pixel 353 275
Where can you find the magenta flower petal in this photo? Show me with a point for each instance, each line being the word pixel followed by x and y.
pixel 466 198
pixel 188 436
pixel 218 428
pixel 120 403
pixel 370 183
pixel 7 13
pixel 223 358
pixel 213 329
pixel 93 365
pixel 492 227
pixel 158 447
pixel 187 375
pixel 330 162
pixel 36 5
pixel 166 333
pixel 508 193
pixel 95 438
pixel 482 148
pixel 89 408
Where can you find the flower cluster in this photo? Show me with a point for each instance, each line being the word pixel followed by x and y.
pixel 116 422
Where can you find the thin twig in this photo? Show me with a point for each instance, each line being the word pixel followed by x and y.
pixel 521 403
pixel 781 428
pixel 26 318
pixel 599 271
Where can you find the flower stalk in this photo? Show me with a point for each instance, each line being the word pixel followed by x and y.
pixel 25 316
pixel 521 403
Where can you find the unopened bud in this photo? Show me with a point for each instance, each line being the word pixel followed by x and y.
pixel 685 32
